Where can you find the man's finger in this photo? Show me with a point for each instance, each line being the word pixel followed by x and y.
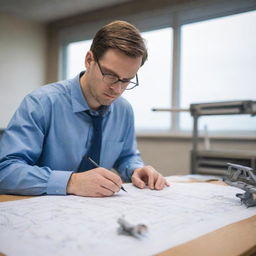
pixel 167 183
pixel 159 182
pixel 110 185
pixel 151 179
pixel 138 182
pixel 105 192
pixel 110 176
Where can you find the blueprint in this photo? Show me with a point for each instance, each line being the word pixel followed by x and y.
pixel 72 225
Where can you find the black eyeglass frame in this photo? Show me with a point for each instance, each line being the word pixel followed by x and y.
pixel 135 84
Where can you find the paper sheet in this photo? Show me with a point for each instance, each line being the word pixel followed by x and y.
pixel 195 177
pixel 70 225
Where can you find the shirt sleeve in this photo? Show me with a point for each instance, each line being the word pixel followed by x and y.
pixel 129 158
pixel 21 147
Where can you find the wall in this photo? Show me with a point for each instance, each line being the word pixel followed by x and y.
pixel 22 62
pixel 169 155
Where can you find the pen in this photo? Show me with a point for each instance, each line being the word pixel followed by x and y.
pixel 96 165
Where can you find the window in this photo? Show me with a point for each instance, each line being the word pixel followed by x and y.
pixel 75 57
pixel 218 63
pixel 155 83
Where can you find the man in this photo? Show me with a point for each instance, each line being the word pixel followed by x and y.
pixel 45 147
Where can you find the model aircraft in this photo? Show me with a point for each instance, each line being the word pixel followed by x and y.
pixel 242 177
pixel 127 228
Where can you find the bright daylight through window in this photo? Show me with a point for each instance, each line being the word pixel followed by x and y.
pixel 155 83
pixel 218 63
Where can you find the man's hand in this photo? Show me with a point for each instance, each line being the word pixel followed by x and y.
pixel 98 182
pixel 147 175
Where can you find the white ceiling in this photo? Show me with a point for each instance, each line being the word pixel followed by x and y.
pixel 50 10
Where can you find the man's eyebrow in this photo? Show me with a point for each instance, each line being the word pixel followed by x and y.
pixel 111 72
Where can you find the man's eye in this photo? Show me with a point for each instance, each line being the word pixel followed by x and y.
pixel 110 77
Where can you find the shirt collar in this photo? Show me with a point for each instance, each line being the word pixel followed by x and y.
pixel 79 103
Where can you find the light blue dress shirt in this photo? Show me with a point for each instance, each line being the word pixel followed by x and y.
pixel 50 133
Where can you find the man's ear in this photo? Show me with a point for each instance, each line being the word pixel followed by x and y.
pixel 88 59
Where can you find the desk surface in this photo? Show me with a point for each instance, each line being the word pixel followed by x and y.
pixel 235 239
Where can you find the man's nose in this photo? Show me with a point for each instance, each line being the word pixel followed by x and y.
pixel 117 87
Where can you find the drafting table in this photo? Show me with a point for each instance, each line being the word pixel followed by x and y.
pixel 214 161
pixel 238 238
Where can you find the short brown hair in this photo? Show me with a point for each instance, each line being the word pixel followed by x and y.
pixel 119 35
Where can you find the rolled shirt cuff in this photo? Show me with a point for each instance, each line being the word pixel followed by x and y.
pixel 57 184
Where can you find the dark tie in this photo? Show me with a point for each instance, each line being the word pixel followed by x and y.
pixel 94 150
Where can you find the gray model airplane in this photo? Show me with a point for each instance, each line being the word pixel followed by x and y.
pixel 242 177
pixel 127 228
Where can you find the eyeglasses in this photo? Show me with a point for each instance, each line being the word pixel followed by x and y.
pixel 110 79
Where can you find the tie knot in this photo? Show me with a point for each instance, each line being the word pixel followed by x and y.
pixel 96 120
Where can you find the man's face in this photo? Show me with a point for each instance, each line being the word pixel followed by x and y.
pixel 99 92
